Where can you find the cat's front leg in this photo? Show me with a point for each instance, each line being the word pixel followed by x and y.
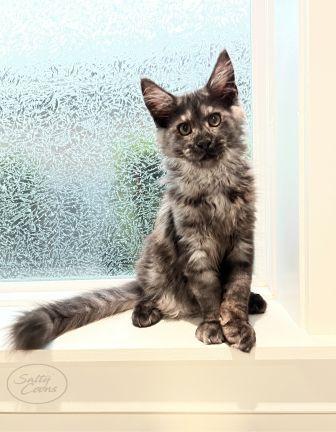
pixel 206 288
pixel 237 330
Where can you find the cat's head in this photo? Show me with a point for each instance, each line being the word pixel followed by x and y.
pixel 200 126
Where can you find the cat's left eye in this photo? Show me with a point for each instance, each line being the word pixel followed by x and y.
pixel 214 119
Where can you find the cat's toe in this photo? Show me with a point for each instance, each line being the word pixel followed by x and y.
pixel 210 333
pixel 257 305
pixel 240 334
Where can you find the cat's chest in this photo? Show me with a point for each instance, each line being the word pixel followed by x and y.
pixel 219 205
pixel 206 212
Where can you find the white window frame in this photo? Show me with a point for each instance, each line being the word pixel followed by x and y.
pixel 260 96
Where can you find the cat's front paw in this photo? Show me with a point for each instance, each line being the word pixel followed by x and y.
pixel 210 333
pixel 239 334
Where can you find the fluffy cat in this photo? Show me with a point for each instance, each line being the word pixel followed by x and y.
pixel 198 260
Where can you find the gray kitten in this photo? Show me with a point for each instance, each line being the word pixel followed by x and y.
pixel 198 260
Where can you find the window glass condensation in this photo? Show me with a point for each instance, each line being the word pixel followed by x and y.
pixel 79 169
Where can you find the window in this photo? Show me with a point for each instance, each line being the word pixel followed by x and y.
pixel 79 167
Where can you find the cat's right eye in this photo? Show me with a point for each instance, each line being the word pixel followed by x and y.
pixel 184 128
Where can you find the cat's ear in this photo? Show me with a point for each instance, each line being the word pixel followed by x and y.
pixel 159 102
pixel 222 83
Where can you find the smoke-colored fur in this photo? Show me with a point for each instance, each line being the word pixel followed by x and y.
pixel 36 328
pixel 198 260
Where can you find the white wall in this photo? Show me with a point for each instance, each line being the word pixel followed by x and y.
pixel 320 163
pixel 304 161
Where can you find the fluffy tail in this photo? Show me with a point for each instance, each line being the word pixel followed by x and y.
pixel 36 328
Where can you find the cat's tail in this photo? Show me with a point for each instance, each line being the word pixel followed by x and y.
pixel 36 328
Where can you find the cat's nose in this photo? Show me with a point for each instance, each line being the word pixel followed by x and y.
pixel 204 143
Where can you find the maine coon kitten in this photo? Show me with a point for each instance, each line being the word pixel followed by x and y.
pixel 198 259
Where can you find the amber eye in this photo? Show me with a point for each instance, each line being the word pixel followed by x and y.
pixel 184 128
pixel 214 119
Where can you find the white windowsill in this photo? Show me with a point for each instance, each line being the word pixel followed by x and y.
pixel 115 368
pixel 116 339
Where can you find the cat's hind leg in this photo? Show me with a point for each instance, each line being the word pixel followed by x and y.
pixel 256 305
pixel 146 314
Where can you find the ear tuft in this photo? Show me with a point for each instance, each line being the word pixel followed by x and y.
pixel 159 102
pixel 222 83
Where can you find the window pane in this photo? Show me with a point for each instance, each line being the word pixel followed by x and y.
pixel 78 164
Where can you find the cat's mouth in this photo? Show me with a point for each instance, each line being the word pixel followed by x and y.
pixel 198 156
pixel 209 155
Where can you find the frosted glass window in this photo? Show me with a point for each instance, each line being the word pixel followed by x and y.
pixel 79 168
